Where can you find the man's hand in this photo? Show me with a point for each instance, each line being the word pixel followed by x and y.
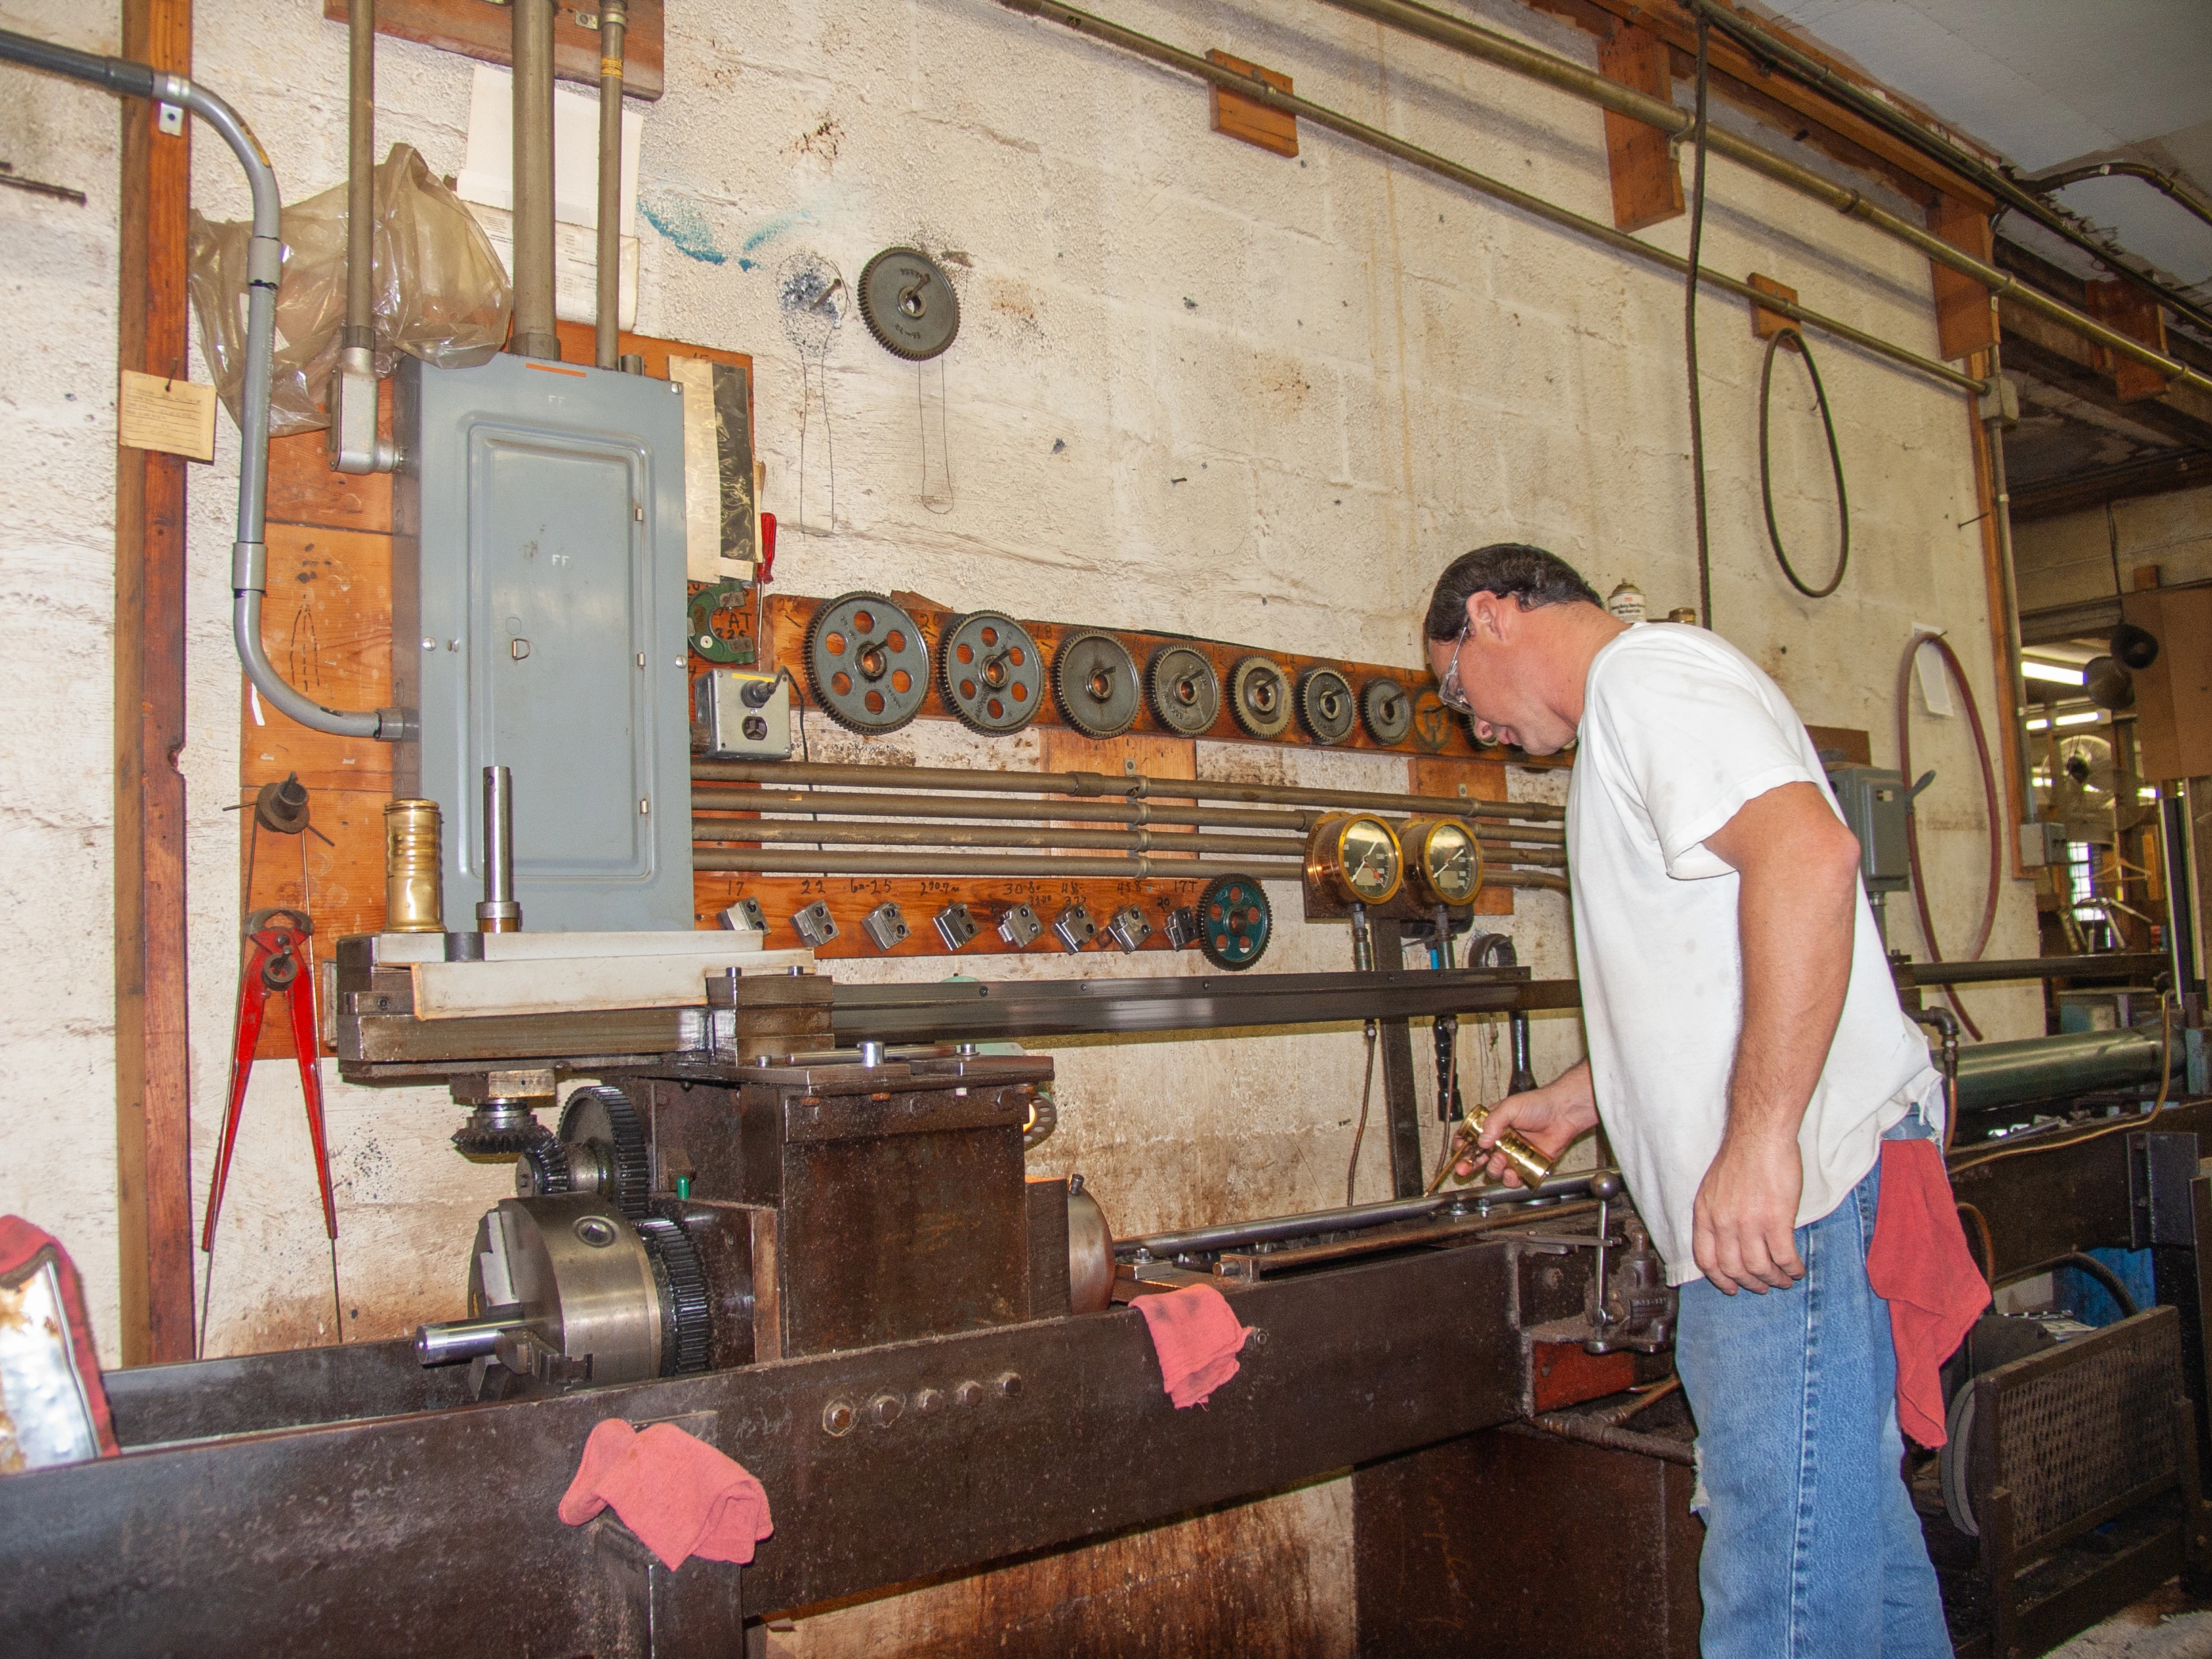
pixel 1548 1119
pixel 1743 1230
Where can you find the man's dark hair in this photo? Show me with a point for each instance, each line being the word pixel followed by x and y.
pixel 1512 570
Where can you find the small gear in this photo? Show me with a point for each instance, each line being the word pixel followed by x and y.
pixel 1096 680
pixel 991 673
pixel 605 1148
pixel 1325 705
pixel 1388 709
pixel 542 1169
pixel 490 1146
pixel 1432 721
pixel 908 304
pixel 687 1328
pixel 1260 697
pixel 1235 922
pixel 1185 691
pixel 867 663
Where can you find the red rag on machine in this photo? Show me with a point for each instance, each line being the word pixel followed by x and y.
pixel 1197 1338
pixel 1919 1264
pixel 21 1245
pixel 680 1496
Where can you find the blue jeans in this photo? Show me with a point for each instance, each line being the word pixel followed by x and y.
pixel 1811 1546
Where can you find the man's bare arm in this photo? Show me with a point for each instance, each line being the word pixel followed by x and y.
pixel 1796 908
pixel 1548 1118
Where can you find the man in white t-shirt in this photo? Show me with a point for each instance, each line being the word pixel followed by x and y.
pixel 1748 1055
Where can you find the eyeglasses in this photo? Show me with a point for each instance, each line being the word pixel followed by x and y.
pixel 1448 691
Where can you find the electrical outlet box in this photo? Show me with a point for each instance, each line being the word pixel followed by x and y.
pixel 740 714
pixel 2042 843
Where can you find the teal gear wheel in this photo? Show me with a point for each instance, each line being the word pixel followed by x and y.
pixel 1235 922
pixel 715 599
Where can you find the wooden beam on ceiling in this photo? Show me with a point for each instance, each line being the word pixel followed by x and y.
pixel 2153 475
pixel 153 1106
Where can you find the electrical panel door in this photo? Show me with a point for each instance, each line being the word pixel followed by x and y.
pixel 538 594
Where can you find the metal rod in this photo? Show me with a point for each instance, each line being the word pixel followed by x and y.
pixel 607 312
pixel 1107 786
pixel 498 913
pixel 708 796
pixel 450 1341
pixel 534 334
pixel 2116 965
pixel 360 176
pixel 781 832
pixel 2009 595
pixel 1261 92
pixel 777 862
pixel 1229 1235
pixel 1474 41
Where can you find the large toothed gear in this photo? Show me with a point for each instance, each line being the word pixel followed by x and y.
pixel 605 1147
pixel 1325 705
pixel 1095 678
pixel 990 671
pixel 867 663
pixel 1186 692
pixel 1235 922
pixel 1388 710
pixel 687 1329
pixel 908 304
pixel 1260 697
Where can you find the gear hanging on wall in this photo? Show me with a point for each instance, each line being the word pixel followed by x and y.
pixel 908 304
pixel 605 1148
pixel 991 671
pixel 1096 679
pixel 1235 922
pixel 867 663
pixel 1260 697
pixel 1186 692
pixel 1325 705
pixel 686 1322
pixel 1389 711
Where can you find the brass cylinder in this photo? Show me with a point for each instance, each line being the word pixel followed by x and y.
pixel 1531 1165
pixel 414 862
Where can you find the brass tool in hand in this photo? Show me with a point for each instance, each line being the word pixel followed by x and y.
pixel 1525 1161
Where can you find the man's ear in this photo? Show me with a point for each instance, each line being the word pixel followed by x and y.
pixel 1488 617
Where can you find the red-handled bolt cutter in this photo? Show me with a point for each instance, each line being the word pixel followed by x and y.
pixel 278 963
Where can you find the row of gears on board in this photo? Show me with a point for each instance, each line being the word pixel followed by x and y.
pixel 1230 923
pixel 869 667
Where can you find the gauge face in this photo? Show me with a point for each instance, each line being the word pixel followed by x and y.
pixel 1450 862
pixel 1367 852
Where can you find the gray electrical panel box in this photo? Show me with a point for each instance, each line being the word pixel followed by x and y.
pixel 539 624
pixel 1874 802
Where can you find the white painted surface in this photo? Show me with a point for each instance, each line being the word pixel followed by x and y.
pixel 1198 386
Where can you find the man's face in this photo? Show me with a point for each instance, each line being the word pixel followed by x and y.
pixel 1488 667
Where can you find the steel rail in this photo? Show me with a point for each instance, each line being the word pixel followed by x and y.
pixel 1107 786
pixel 1137 867
pixel 786 832
pixel 1260 92
pixel 1502 51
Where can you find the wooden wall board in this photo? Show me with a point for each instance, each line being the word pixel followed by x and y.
pixel 787 617
pixel 1238 117
pixel 1966 313
pixel 486 33
pixel 2126 308
pixel 1647 180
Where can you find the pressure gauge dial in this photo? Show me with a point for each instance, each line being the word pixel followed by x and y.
pixel 1444 861
pixel 1354 858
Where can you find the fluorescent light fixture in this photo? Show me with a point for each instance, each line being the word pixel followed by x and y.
pixel 2050 670
pixel 2085 717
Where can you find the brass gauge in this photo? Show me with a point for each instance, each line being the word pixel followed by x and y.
pixel 1354 858
pixel 1444 861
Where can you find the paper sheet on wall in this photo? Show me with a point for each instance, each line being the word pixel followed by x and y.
pixel 158 412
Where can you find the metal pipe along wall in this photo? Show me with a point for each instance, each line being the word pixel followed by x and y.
pixel 607 310
pixel 534 335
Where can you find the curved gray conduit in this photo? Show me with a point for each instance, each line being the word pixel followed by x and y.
pixel 264 265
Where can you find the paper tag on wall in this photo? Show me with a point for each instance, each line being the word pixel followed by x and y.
pixel 1934 678
pixel 154 411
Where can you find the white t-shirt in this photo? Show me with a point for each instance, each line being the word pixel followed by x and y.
pixel 1680 730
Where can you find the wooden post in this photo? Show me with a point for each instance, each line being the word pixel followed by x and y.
pixel 153 1115
pixel 1647 183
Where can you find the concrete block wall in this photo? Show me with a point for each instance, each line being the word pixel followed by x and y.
pixel 1198 386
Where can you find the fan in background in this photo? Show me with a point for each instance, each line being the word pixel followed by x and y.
pixel 2084 784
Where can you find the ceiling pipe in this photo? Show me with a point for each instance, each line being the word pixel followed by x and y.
pixel 1504 52
pixel 264 268
pixel 351 402
pixel 607 314
pixel 534 333
pixel 1261 92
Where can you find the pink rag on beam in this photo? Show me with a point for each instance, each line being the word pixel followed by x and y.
pixel 680 1496
pixel 1197 1338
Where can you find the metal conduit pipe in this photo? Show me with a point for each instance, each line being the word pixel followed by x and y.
pixel 2008 590
pixel 1105 784
pixel 1776 53
pixel 264 267
pixel 2163 183
pixel 1506 53
pixel 778 861
pixel 606 316
pixel 736 798
pixel 534 335
pixel 1260 92
pixel 353 443
pixel 778 832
